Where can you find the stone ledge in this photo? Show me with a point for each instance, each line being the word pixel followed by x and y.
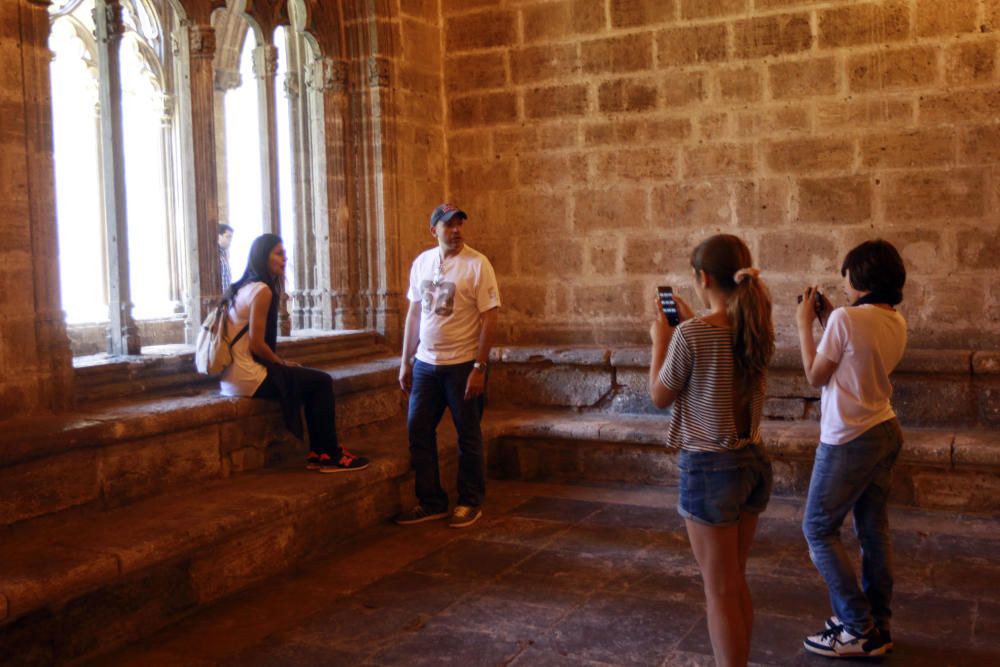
pixel 916 361
pixel 783 439
pixel 100 424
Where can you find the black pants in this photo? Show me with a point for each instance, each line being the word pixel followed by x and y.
pixel 316 391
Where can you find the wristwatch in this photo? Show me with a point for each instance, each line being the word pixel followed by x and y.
pixel 480 365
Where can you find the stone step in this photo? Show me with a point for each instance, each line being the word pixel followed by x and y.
pixel 950 469
pixel 96 578
pixel 113 453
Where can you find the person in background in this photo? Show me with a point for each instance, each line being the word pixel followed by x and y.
pixel 446 344
pixel 860 440
pixel 225 240
pixel 258 372
pixel 712 369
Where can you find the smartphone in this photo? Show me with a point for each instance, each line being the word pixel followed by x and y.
pixel 668 304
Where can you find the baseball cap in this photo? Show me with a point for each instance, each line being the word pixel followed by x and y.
pixel 446 212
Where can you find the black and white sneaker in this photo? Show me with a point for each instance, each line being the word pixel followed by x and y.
pixel 834 622
pixel 838 642
pixel 418 514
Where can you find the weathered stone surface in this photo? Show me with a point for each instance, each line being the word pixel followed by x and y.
pixel 626 357
pixel 989 403
pixel 575 356
pixel 151 466
pixel 921 401
pixel 978 450
pixel 48 485
pixel 931 448
pixel 986 363
pixel 552 386
pixel 936 362
pixel 951 491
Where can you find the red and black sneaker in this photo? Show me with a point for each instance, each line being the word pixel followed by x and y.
pixel 312 461
pixel 346 463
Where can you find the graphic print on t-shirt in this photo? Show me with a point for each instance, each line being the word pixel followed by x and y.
pixel 438 297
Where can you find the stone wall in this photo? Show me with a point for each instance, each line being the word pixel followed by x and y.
pixel 594 142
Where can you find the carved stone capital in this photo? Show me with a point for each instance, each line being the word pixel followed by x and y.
pixel 327 75
pixel 227 79
pixel 108 23
pixel 378 72
pixel 201 40
pixel 265 61
pixel 291 85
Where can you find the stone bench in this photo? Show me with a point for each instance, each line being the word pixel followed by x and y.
pixel 933 388
pixel 944 469
pixel 112 453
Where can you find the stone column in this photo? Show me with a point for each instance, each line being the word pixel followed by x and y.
pixel 52 389
pixel 300 297
pixel 123 335
pixel 204 280
pixel 225 80
pixel 336 251
pixel 265 68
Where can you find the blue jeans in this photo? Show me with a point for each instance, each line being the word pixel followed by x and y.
pixel 434 389
pixel 717 488
pixel 855 476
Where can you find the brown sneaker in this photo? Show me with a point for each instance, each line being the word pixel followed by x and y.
pixel 464 515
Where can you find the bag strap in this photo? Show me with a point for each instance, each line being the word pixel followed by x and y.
pixel 245 328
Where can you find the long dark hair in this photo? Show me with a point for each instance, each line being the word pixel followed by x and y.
pixel 256 272
pixel 748 303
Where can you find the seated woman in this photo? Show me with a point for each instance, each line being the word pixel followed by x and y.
pixel 258 372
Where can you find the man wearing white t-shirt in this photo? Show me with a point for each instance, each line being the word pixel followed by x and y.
pixel 449 332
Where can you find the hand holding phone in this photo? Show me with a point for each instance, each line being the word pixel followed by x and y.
pixel 668 304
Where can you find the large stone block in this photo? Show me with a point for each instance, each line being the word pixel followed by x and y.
pixel 550 172
pixel 978 450
pixel 691 44
pixel 48 485
pixel 765 36
pixel 539 63
pixel 945 18
pixel 922 401
pixel 865 23
pixel 960 105
pixel 481 30
pixel 988 395
pixel 556 20
pixel 798 251
pixel 484 109
pixel 656 255
pixel 632 393
pixel 801 155
pixel 634 13
pixel 555 101
pixel 238 563
pixel 617 54
pixel 627 95
pixel 865 112
pixel 604 255
pixel 633 164
pixel 547 257
pixel 948 490
pixel 840 200
pixel 136 469
pixel 763 203
pixel 478 176
pixel 706 204
pixel 474 71
pixel 369 407
pixel 553 386
pixel 739 84
pixel 622 299
pixel 700 9
pixel 803 78
pixel 916 148
pixel 981 145
pixel 971 62
pixel 645 131
pixel 535 138
pixel 609 209
pixel 928 195
pixel 719 160
pixel 902 68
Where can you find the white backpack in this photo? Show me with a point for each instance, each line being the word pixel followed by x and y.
pixel 213 351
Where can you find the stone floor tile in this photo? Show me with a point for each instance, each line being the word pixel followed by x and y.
pixel 566 510
pixel 501 615
pixel 624 630
pixel 441 647
pixel 575 570
pixel 948 621
pixel 635 516
pixel 532 656
pixel 613 542
pixel 290 654
pixel 472 559
pixel 415 591
pixel 518 530
pixel 349 625
pixel 561 593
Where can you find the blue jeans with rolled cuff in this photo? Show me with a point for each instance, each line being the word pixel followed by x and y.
pixel 434 389
pixel 855 476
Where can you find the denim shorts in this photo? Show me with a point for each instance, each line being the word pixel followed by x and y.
pixel 718 487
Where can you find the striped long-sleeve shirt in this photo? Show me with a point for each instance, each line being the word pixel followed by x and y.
pixel 700 368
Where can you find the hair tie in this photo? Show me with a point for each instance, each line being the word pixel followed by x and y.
pixel 749 272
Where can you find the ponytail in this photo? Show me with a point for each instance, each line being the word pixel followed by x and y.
pixel 727 259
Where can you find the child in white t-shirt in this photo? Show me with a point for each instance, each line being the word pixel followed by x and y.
pixel 860 439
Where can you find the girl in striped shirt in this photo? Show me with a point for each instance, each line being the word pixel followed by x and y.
pixel 712 370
